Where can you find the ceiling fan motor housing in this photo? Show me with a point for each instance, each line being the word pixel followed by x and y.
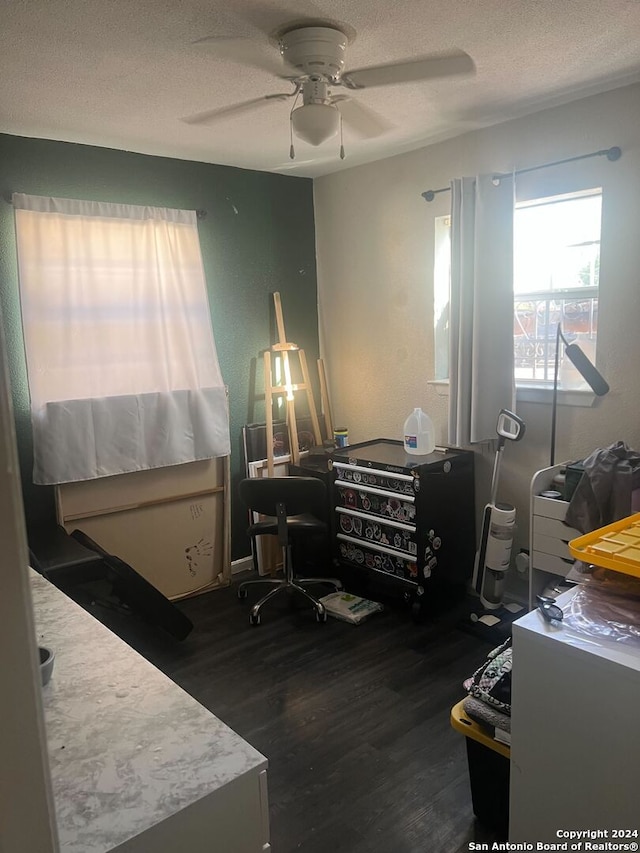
pixel 315 51
pixel 315 90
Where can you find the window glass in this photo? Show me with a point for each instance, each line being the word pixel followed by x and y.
pixel 441 287
pixel 556 279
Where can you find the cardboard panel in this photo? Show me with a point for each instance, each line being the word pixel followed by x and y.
pixel 169 524
pixel 177 546
pixel 129 490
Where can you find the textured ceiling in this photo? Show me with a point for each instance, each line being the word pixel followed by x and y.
pixel 122 73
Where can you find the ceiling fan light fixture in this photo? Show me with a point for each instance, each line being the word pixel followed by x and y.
pixel 315 123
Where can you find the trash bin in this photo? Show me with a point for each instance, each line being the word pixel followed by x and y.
pixel 489 764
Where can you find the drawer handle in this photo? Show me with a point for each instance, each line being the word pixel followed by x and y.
pixel 358 487
pixel 373 546
pixel 391 475
pixel 379 519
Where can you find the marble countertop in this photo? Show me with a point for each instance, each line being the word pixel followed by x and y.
pixel 127 746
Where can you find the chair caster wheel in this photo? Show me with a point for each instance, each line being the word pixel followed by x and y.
pixel 321 616
pixel 242 593
pixel 254 618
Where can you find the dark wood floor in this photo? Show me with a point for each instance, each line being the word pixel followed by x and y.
pixel 353 719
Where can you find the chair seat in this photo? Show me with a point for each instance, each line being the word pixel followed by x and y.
pixel 304 523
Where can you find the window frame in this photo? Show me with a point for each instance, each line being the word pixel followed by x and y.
pixel 523 385
pixel 531 390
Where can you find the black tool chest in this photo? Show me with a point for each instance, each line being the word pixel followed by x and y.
pixel 408 517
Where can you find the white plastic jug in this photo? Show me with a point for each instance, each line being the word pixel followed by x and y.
pixel 419 435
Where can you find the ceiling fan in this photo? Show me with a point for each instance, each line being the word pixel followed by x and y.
pixel 312 57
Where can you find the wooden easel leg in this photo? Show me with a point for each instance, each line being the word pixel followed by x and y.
pixel 268 405
pixel 279 318
pixel 294 442
pixel 310 401
pixel 324 399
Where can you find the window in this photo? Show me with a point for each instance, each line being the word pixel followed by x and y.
pixel 556 277
pixel 441 286
pixel 122 365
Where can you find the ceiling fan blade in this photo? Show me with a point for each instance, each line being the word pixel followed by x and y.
pixel 427 68
pixel 235 109
pixel 247 51
pixel 361 119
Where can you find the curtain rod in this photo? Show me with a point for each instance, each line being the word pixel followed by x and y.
pixel 8 197
pixel 611 154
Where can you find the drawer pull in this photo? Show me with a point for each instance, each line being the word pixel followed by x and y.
pixel 390 474
pixel 373 546
pixel 378 519
pixel 358 487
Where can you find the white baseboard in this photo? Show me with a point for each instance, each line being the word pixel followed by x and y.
pixel 244 564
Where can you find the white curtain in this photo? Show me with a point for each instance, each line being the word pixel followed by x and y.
pixel 122 365
pixel 481 335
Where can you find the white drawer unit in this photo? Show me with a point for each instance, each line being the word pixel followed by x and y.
pixel 409 517
pixel 549 535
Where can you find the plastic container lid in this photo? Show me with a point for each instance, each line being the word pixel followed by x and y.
pixel 616 546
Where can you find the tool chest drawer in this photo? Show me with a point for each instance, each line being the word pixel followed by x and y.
pixel 374 501
pixel 377 557
pixel 407 516
pixel 396 535
pixel 369 479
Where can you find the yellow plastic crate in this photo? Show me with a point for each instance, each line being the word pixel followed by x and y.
pixel 469 728
pixel 616 546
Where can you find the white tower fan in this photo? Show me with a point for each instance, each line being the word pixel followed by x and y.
pixel 498 523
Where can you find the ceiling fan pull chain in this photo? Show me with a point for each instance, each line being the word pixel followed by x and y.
pixel 341 139
pixel 292 150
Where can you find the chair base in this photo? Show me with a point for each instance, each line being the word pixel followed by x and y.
pixel 288 584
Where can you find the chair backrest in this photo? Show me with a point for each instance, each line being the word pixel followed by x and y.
pixel 298 494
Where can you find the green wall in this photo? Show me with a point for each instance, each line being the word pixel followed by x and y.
pixel 258 237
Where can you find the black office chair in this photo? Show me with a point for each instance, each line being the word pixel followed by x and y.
pixel 291 506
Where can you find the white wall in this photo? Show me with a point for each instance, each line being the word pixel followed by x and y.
pixel 375 280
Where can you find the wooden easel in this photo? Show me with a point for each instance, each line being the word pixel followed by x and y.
pixel 287 388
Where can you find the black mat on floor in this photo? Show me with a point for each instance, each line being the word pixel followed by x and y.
pixel 494 634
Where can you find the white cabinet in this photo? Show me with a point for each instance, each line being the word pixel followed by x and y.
pixel 575 750
pixel 548 534
pixel 138 765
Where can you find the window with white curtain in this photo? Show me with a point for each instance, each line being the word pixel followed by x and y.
pixel 556 279
pixel 122 365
